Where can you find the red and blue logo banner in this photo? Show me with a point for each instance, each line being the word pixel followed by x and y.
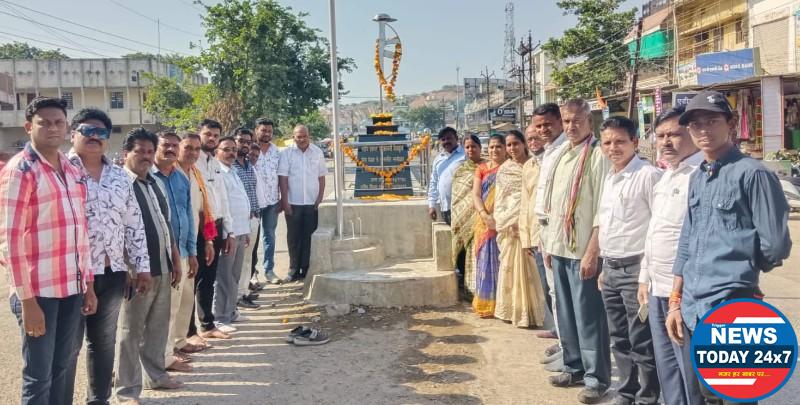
pixel 744 350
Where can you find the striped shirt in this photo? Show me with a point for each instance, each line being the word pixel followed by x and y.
pixel 44 243
pixel 247 174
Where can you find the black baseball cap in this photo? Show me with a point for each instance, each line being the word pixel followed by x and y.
pixel 712 101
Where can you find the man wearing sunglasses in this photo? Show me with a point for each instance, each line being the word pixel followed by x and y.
pixel 117 240
pixel 735 228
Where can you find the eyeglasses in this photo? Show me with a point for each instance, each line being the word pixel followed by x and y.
pixel 699 125
pixel 88 130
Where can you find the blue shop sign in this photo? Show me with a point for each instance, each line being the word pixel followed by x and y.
pixel 722 67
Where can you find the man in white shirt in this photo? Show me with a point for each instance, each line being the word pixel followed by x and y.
pixel 547 125
pixel 669 207
pixel 210 132
pixel 301 176
pixel 269 196
pixel 229 268
pixel 625 211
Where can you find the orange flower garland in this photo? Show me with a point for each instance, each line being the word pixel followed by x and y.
pixel 387 174
pixel 388 87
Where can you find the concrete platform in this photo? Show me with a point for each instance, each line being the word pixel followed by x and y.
pixel 413 282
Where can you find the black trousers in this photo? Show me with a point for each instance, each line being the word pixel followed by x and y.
pixel 631 339
pixel 299 227
pixel 446 217
pixel 254 255
pixel 204 280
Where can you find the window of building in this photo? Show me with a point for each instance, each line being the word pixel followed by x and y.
pixel 67 96
pixel 740 32
pixel 718 36
pixel 117 100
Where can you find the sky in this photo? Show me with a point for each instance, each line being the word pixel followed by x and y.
pixel 437 35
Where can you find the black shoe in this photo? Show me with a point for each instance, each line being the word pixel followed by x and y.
pixel 591 395
pixel 247 304
pixel 565 379
pixel 252 296
pixel 620 400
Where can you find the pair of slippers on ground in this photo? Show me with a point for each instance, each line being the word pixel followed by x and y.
pixel 305 336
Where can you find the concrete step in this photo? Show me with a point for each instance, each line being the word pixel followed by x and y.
pixel 397 283
pixel 358 253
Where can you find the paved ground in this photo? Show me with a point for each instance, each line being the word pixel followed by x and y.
pixel 394 356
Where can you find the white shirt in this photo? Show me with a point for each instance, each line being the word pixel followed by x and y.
pixel 303 170
pixel 211 170
pixel 625 209
pixel 547 162
pixel 238 203
pixel 267 173
pixel 670 203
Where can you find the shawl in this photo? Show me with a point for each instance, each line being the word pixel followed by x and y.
pixel 462 210
pixel 209 226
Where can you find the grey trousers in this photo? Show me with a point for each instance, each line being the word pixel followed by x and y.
pixel 226 287
pixel 143 333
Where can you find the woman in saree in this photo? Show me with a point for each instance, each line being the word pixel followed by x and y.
pixel 463 213
pixel 520 298
pixel 487 254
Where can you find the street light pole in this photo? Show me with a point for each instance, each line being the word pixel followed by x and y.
pixel 457 97
pixel 338 167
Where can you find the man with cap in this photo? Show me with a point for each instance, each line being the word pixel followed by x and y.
pixel 735 228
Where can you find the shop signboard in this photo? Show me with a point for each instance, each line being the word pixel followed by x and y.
pixel 658 101
pixel 687 74
pixel 507 114
pixel 723 67
pixel 529 107
pixel 682 97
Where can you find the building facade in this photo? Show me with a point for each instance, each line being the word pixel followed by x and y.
pixel 117 86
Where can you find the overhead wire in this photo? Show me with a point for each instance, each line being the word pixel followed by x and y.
pixel 52 44
pixel 155 20
pixel 17 14
pixel 94 30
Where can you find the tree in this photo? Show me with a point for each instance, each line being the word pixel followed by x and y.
pixel 427 116
pixel 268 57
pixel 21 50
pixel 597 38
pixel 180 105
pixel 171 58
pixel 317 125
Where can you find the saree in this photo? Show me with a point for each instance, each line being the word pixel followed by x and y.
pixel 520 298
pixel 485 247
pixel 462 216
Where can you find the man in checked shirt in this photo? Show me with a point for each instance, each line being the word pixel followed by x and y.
pixel 44 247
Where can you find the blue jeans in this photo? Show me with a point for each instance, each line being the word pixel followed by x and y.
pixel 582 326
pixel 269 221
pixel 549 321
pixel 677 386
pixel 46 360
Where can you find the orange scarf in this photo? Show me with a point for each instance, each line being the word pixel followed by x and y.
pixel 209 225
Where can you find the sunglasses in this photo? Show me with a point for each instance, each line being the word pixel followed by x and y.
pixel 91 130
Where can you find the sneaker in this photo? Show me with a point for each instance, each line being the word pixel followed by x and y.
pixel 297 332
pixel 247 304
pixel 591 395
pixel 253 296
pixel 225 328
pixel 255 286
pixel 566 380
pixel 314 337
pixel 287 280
pixel 241 318
pixel 272 278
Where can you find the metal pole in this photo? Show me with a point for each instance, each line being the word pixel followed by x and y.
pixel 139 88
pixel 338 167
pixel 457 99
pixel 381 45
pixel 635 76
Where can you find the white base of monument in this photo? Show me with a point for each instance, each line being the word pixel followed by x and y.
pixel 385 262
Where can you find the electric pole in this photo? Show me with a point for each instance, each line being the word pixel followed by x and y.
pixel 635 74
pixel 457 96
pixel 486 75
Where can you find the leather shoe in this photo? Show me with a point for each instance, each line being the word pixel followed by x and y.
pixel 564 380
pixel 591 395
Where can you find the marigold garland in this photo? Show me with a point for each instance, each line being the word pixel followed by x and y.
pixel 381 115
pixel 387 174
pixel 385 133
pixel 388 87
pixel 383 124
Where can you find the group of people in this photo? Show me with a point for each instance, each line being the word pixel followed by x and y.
pixel 576 233
pixel 150 260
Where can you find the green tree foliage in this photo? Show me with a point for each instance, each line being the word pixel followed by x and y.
pixel 597 40
pixel 178 105
pixel 267 55
pixel 318 127
pixel 428 116
pixel 21 50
